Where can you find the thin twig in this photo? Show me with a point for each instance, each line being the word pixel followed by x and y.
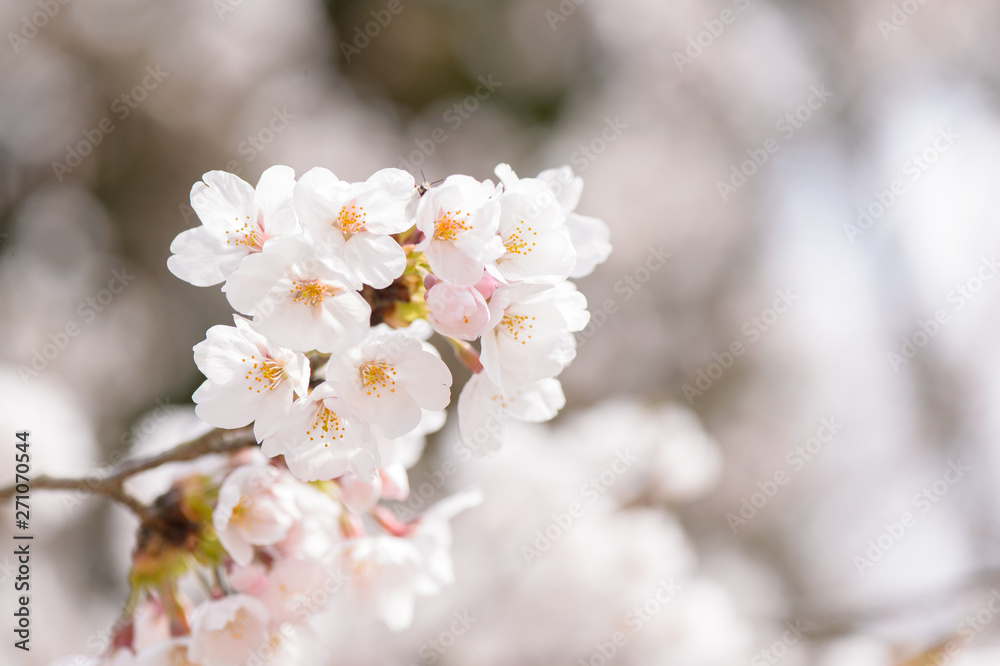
pixel 110 485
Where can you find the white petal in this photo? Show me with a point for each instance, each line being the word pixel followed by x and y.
pixel 377 260
pixel 222 199
pixel 202 258
pixel 273 196
pixel 591 239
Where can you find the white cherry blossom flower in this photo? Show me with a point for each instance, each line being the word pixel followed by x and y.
pixel 432 535
pixel 169 652
pixel 300 299
pixel 397 455
pixel 591 236
pixel 237 220
pixel 530 336
pixel 533 227
pixel 254 509
pixel 483 409
pixel 389 377
pixel 323 438
pixel 317 532
pixel 387 573
pixel 459 221
pixel 384 576
pixel 354 220
pixel 227 631
pixel 285 590
pixel 248 378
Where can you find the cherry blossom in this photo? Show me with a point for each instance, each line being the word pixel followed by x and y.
pixel 530 337
pixel 387 573
pixel 248 378
pixel 533 228
pixel 354 220
pixel 459 221
pixel 284 590
pixel 300 299
pixel 237 220
pixel 324 437
pixel 342 284
pixel 459 312
pixel 483 409
pixel 589 236
pixel 254 509
pixel 389 377
pixel 227 631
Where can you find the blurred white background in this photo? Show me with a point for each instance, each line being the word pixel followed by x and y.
pixel 823 176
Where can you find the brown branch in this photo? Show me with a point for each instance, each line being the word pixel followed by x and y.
pixel 110 485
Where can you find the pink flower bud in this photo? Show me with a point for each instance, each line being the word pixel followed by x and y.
pixel 459 312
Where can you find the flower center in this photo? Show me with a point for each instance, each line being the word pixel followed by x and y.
pixel 447 227
pixel 237 625
pixel 265 373
pixel 517 326
pixel 250 236
pixel 378 376
pixel 311 292
pixel 517 241
pixel 351 220
pixel 240 512
pixel 327 424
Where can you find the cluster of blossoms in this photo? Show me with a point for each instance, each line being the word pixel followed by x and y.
pixel 337 282
pixel 339 286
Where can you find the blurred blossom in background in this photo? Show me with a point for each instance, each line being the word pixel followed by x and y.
pixel 778 445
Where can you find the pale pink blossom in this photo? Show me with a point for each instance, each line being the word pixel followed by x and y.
pixel 459 312
pixel 530 336
pixel 324 437
pixel 533 228
pixel 254 509
pixel 459 221
pixel 249 379
pixel 237 220
pixel 299 298
pixel 483 409
pixel 390 377
pixel 353 220
pixel 227 631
